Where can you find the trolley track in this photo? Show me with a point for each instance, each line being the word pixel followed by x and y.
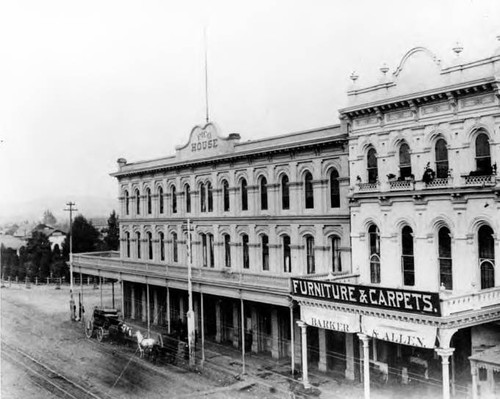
pixel 46 377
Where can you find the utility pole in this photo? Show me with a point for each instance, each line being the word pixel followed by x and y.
pixel 190 313
pixel 71 209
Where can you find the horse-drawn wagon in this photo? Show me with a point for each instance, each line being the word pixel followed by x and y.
pixel 105 323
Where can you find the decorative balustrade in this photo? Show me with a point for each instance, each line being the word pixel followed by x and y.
pixel 438 182
pixel 367 187
pixel 396 185
pixel 485 180
pixel 455 304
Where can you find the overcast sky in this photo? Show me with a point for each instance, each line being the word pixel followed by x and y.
pixel 84 83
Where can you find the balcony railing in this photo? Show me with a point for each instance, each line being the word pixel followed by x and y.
pixel 396 185
pixel 455 304
pixel 438 182
pixel 485 180
pixel 367 187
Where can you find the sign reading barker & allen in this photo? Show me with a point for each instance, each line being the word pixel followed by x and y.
pixel 360 295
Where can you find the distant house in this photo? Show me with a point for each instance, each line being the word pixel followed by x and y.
pixel 55 236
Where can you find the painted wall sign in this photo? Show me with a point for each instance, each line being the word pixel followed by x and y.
pixel 330 319
pixel 399 332
pixel 360 295
pixel 203 140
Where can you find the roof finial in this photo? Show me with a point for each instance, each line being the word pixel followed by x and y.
pixel 458 48
pixel 354 76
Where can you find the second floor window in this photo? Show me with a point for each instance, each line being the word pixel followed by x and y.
pixel 127 241
pixel 404 161
pixel 441 151
pixel 139 243
pixel 207 250
pixel 210 197
pixel 203 198
pixel 225 195
pixel 127 203
pixel 227 250
pixel 336 260
pixel 407 256
pixel 162 246
pixel 246 252
pixel 309 190
pixel 374 242
pixel 264 243
pixel 444 257
pixel 150 245
pixel 486 256
pixel 244 195
pixel 174 199
pixel 263 193
pixel 285 192
pixel 334 189
pixel 175 245
pixel 310 258
pixel 372 167
pixel 287 254
pixel 483 156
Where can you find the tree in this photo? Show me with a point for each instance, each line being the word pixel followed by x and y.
pixel 85 237
pixel 38 256
pixel 112 238
pixel 49 219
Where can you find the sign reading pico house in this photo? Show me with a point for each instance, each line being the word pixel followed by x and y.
pixel 204 141
pixel 360 295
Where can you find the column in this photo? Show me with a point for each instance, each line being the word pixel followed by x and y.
pixel 144 304
pixel 236 335
pixel 218 322
pixel 169 324
pixel 292 339
pixel 322 349
pixel 275 352
pixel 255 330
pixel 366 363
pixel 305 374
pixel 473 371
pixel 155 306
pixel 196 309
pixel 349 357
pixel 132 301
pixel 445 354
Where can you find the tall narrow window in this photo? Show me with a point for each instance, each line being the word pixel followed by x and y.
pixel 374 240
pixel 264 242
pixel 246 252
pixel 187 194
pixel 204 249
pixel 309 190
pixel 244 195
pixel 225 195
pixel 407 258
pixel 334 189
pixel 404 161
pixel 441 151
pixel 483 156
pixel 210 197
pixel 285 192
pixel 287 254
pixel 444 256
pixel 335 254
pixel 263 193
pixel 162 245
pixel 486 256
pixel 138 240
pixel 137 202
pixel 203 198
pixel 127 240
pixel 150 245
pixel 211 260
pixel 372 167
pixel 161 200
pixel 227 250
pixel 127 203
pixel 174 199
pixel 175 254
pixel 310 258
pixel 149 201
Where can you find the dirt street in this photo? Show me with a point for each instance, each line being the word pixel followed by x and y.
pixel 36 321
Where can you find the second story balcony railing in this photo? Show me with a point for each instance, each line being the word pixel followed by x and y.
pixel 484 180
pixel 395 185
pixel 453 304
pixel 438 182
pixel 368 187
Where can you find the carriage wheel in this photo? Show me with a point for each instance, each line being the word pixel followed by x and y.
pixel 89 329
pixel 100 334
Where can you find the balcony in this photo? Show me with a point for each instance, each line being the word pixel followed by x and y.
pixel 472 302
pixel 397 185
pixel 368 187
pixel 479 181
pixel 438 182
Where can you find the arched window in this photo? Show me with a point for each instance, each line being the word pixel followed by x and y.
pixel 174 199
pixel 127 241
pixel 310 259
pixel 149 201
pixel 407 258
pixel 371 165
pixel 246 252
pixel 210 197
pixel 263 193
pixel 287 254
pixel 441 151
pixel 210 253
pixel 404 161
pixel 444 257
pixel 285 192
pixel 486 256
pixel 203 199
pixel 374 240
pixel 244 195
pixel 308 190
pixel 127 203
pixel 334 189
pixel 264 247
pixel 203 238
pixel 138 240
pixel 227 250
pixel 137 202
pixel 162 245
pixel 483 157
pixel 336 260
pixel 225 195
pixel 187 195
pixel 150 245
pixel 161 200
pixel 175 254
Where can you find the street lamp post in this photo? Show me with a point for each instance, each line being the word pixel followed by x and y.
pixel 70 209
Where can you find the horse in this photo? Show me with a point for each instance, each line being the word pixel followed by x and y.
pixel 145 345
